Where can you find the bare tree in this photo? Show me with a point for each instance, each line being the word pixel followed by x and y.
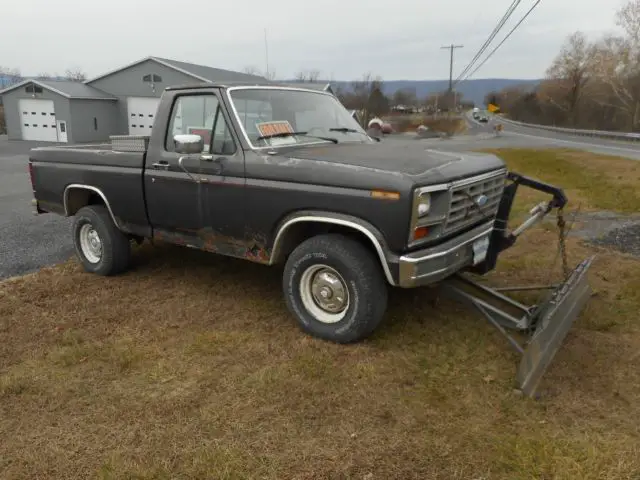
pixel 10 76
pixel 75 75
pixel 308 76
pixel 617 66
pixel 44 76
pixel 571 70
pixel 406 97
pixel 368 97
pixel 628 18
pixel 253 70
pixel 589 84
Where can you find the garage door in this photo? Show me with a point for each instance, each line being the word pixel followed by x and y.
pixel 38 120
pixel 142 113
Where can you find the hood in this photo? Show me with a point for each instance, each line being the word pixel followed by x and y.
pixel 423 166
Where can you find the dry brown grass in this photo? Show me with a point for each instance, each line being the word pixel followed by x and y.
pixel 190 367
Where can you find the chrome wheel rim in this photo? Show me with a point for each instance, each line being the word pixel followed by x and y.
pixel 90 243
pixel 324 293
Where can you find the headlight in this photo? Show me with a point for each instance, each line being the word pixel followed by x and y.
pixel 424 204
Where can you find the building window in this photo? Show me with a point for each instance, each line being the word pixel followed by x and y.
pixel 95 123
pixel 152 77
pixel 31 88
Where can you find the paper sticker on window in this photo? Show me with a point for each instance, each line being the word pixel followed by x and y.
pixel 275 128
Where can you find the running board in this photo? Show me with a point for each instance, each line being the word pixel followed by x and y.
pixel 546 325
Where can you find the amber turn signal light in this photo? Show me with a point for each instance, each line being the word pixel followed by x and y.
pixel 420 232
pixel 384 195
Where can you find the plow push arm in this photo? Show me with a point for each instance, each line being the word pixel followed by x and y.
pixel 544 325
pixel 501 239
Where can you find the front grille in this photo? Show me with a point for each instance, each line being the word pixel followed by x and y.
pixel 463 210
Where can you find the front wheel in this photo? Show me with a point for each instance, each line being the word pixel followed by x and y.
pixel 334 287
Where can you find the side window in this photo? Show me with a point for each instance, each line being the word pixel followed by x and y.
pixel 192 114
pixel 223 143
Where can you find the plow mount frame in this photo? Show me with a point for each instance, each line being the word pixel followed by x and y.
pixel 544 325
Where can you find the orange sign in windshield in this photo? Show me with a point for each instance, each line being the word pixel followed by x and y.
pixel 274 128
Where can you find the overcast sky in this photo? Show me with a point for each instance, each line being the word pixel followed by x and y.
pixel 396 39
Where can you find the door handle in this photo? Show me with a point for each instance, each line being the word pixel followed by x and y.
pixel 161 165
pixel 210 158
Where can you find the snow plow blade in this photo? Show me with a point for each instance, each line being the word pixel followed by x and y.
pixel 553 320
pixel 545 325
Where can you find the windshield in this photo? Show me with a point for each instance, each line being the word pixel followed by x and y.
pixel 283 117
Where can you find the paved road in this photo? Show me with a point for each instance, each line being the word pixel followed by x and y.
pixel 27 242
pixel 516 136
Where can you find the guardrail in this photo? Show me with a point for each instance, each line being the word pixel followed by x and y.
pixel 629 137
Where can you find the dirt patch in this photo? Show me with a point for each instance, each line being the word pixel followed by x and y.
pixel 625 238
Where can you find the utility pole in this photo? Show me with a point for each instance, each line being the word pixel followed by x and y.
pixel 266 54
pixel 451 48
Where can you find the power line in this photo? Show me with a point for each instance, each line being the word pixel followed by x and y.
pixel 504 39
pixel 451 47
pixel 493 34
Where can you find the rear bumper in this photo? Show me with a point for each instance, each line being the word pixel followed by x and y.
pixel 431 265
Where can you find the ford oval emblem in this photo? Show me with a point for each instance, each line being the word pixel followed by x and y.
pixel 482 200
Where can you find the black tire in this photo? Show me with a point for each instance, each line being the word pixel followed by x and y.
pixel 362 275
pixel 116 247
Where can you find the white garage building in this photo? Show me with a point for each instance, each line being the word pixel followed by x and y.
pixel 119 102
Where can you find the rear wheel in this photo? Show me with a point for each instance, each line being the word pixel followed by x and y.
pixel 334 287
pixel 100 246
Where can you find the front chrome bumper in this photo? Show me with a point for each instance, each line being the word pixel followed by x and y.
pixel 433 264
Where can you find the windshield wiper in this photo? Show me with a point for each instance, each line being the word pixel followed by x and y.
pixel 291 134
pixel 344 130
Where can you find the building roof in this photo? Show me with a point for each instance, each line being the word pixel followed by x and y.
pixel 66 88
pixel 211 74
pixel 199 72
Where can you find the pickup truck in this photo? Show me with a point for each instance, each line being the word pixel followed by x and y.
pixel 285 176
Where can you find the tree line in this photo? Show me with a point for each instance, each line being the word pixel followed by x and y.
pixel 591 84
pixel 11 76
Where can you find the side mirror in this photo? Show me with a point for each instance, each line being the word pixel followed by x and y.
pixel 188 144
pixel 377 139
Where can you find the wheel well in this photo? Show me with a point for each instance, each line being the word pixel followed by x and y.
pixel 299 232
pixel 81 197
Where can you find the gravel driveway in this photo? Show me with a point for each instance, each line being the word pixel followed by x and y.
pixel 27 242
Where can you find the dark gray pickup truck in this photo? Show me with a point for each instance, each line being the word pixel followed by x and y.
pixel 285 176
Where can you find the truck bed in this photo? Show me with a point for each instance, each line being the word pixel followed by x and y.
pixel 117 174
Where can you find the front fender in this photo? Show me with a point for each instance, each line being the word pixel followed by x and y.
pixel 387 259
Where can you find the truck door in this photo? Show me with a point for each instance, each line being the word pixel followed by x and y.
pixel 202 200
pixel 222 196
pixel 173 198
